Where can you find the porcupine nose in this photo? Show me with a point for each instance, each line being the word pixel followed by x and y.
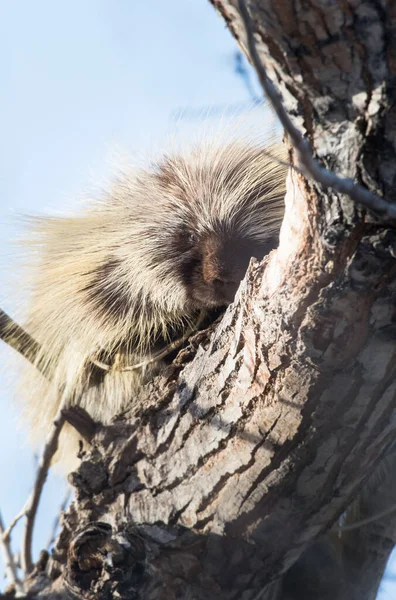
pixel 222 283
pixel 226 287
pixel 220 269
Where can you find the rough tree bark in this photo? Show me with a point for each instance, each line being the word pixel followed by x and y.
pixel 230 465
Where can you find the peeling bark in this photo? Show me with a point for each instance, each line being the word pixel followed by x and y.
pixel 241 456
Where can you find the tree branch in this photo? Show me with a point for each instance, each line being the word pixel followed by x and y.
pixel 30 508
pixel 16 337
pixel 309 166
pixel 11 569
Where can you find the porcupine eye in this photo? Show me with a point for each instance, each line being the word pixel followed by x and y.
pixel 183 242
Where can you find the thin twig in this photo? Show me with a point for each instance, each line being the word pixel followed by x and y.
pixel 242 72
pixel 7 532
pixel 167 350
pixel 312 169
pixel 29 509
pixel 32 503
pixel 16 337
pixel 11 569
pixel 56 522
pixel 102 365
pixel 160 355
pixel 357 524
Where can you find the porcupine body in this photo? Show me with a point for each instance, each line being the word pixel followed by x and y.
pixel 113 284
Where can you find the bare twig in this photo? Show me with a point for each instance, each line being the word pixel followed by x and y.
pixel 16 337
pixel 242 72
pixel 7 532
pixel 357 524
pixel 168 349
pixel 55 524
pixel 29 509
pixel 312 169
pixel 31 505
pixel 10 565
pixel 82 422
pixel 161 354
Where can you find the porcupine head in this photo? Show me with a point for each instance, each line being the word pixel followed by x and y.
pixel 113 283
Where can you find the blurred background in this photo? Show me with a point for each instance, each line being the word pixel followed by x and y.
pixel 85 83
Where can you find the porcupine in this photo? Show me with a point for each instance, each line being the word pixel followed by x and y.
pixel 113 284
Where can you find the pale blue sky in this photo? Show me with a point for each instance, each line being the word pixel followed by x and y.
pixel 81 80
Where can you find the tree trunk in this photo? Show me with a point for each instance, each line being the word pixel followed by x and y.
pixel 237 460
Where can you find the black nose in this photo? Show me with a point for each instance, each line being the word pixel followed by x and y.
pixel 226 288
